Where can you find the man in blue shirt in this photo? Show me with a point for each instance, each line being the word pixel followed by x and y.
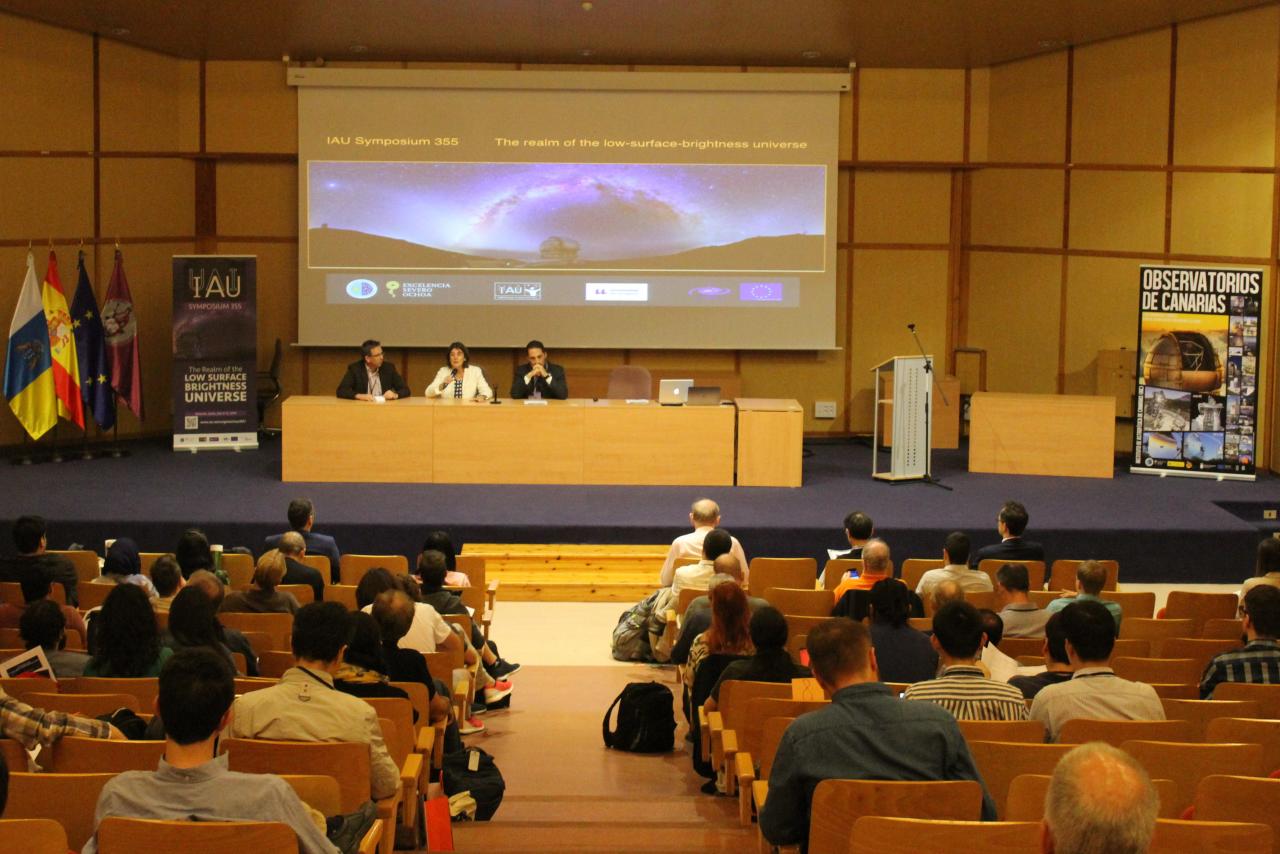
pixel 1259 659
pixel 865 734
pixel 1091 576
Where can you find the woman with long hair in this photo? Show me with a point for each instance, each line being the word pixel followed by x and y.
pixel 730 629
pixel 126 640
pixel 193 621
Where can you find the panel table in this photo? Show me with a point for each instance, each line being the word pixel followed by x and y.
pixel 770 441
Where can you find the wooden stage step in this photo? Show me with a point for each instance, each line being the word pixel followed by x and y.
pixel 571 572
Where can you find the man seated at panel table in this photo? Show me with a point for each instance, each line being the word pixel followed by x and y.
pixel 865 733
pixel 1258 661
pixel 704 516
pixel 539 379
pixel 372 377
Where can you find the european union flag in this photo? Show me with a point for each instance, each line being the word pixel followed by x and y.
pixel 95 379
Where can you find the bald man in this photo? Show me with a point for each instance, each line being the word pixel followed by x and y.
pixel 877 564
pixel 704 516
pixel 1100 801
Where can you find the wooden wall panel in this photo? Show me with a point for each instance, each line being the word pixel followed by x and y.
pixel 249 108
pixel 149 102
pixel 1117 211
pixel 1226 99
pixel 1120 100
pixel 258 199
pixel 1013 314
pixel 1102 314
pixel 1017 207
pixel 1028 109
pixel 1216 214
pixel 45 197
pixel 46 97
pixel 902 207
pixel 910 114
pixel 154 197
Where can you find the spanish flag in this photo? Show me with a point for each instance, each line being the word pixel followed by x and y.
pixel 62 345
pixel 28 370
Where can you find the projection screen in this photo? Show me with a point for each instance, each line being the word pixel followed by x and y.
pixel 589 209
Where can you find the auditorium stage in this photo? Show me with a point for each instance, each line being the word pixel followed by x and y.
pixel 1161 530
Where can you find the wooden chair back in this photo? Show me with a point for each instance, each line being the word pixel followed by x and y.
pixel 770 737
pixel 801 602
pixel 1174 836
pixel 239 569
pixel 12 638
pixel 85 705
pixel 1176 690
pixel 796 573
pixel 345 761
pixel 464 622
pixel 85 562
pixel 318 791
pixel 399 713
pixel 796 645
pixel 1035 571
pixel 1228 797
pixel 1170 671
pixel 278 626
pixel 685 561
pixel 419 698
pixel 13 755
pixel 836 569
pixel 343 594
pixel 1132 648
pixel 1201 650
pixel 1116 732
pixel 93 595
pixel 921 624
pixel 148 560
pixel 1223 629
pixel 1026 797
pixel 686 597
pixel 1030 660
pixel 799 625
pixel 977 598
pixel 761 709
pixel 1199 608
pixel 837 804
pixel 473 567
pixel 737 694
pixel 1198 713
pixel 162 621
pixel 914 568
pixel 442 663
pixel 129 835
pixel 999 762
pixel 77 755
pixel 877 834
pixel 304 593
pixel 144 689
pixel 260 641
pixel 1014 647
pixel 245 684
pixel 1023 732
pixel 272 663
pixel 11 593
pixel 1266 696
pixel 32 836
pixel 68 799
pixel 320 564
pixel 1132 604
pixel 1264 731
pixel 20 687
pixel 1186 763
pixel 353 567
pixel 1062 575
pixel 1155 630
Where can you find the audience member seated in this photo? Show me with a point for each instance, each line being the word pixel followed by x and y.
pixel 44 625
pixel 955 554
pixel 729 632
pixel 704 516
pixel 192 782
pixel 440 541
pixel 1100 800
pixel 697 616
pixel 433 571
pixel 294 548
pixel 193 622
pixel 428 631
pixel 715 542
pixel 32 727
pixel 127 642
pixel 1057 665
pixel 771 663
pixel 961 687
pixel 945 592
pixel 364 667
pixel 866 733
pixel 304 706
pixel 36 587
pixel 1094 691
pixel 215 590
pixel 193 554
pixel 166 575
pixel 263 597
pixel 30 538
pixel 1267 568
pixel 1011 522
pixel 858 529
pixel 1022 619
pixel 999 666
pixel 123 565
pixel 1259 659
pixel 302 515
pixel 903 653
pixel 1091 576
pixel 876 564
pixel 392 615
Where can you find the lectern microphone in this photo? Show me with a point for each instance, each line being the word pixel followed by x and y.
pixel 911 326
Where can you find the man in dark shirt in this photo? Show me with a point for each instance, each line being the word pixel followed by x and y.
pixel 771 663
pixel 858 528
pixel 539 378
pixel 302 515
pixel 865 733
pixel 29 537
pixel 1259 659
pixel 1057 666
pixel 371 377
pixel 1011 522
pixel 903 654
pixel 294 548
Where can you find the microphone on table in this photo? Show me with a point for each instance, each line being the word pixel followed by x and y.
pixel 911 326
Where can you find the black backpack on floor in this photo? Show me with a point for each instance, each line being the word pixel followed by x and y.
pixel 485 783
pixel 646 722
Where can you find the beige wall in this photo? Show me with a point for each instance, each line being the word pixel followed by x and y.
pixel 1006 208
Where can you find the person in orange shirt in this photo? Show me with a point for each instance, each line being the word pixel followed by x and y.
pixel 876 564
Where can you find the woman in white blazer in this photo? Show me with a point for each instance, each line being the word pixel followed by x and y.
pixel 459 379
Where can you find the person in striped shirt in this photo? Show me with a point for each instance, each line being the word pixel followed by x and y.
pixel 1259 659
pixel 963 688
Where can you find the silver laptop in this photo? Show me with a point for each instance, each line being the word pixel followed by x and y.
pixel 673 392
pixel 704 395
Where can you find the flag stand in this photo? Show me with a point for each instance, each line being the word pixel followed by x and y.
pixel 56 457
pixel 24 458
pixel 85 453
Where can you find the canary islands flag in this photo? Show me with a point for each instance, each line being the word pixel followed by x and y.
pixel 28 368
pixel 62 345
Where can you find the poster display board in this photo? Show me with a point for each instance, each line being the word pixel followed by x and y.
pixel 1197 390
pixel 215 352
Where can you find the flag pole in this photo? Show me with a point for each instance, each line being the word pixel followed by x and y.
pixel 24 457
pixel 57 455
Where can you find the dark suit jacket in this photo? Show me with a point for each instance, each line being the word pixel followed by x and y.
pixel 556 389
pixel 356 380
pixel 300 573
pixel 317 544
pixel 1014 548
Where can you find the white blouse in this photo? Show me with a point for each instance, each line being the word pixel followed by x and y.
pixel 473 384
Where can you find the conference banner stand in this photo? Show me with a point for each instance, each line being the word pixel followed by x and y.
pixel 1197 389
pixel 215 352
pixel 912 395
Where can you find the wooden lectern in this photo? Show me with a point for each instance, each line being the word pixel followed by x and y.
pixel 912 395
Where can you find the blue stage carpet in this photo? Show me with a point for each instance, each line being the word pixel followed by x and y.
pixel 1161 530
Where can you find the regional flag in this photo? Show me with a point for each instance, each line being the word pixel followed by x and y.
pixel 95 385
pixel 62 345
pixel 28 370
pixel 120 324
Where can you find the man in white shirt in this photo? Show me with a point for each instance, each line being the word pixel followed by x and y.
pixel 955 554
pixel 698 575
pixel 704 516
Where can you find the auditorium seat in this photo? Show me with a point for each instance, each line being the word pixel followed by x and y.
pixel 878 834
pixel 272 663
pixel 1224 797
pixel 1174 671
pixel 914 568
pixel 277 626
pixel 1035 571
pixel 239 569
pixel 1200 712
pixel 399 735
pixel 144 689
pixel 1187 763
pixel 343 594
pixel 837 804
pixel 245 684
pixel 19 688
pixel 13 755
pixel 1201 650
pixel 78 755
pixel 796 646
pixel 1264 731
pixel 1026 797
pixel 629 382
pixel 1200 608
pixel 1223 628
pixel 1116 732
pixel 429 740
pixel 1156 630
pixel 800 625
pixel 32 836
pixel 130 835
pixel 755 764
pixel 68 799
pixel 1132 648
pixel 795 573
pixel 801 602
pixel 86 705
pixel 1062 575
pixel 86 563
pixel 750 732
pixel 320 563
pixel 353 567
pixel 1014 647
pixel 719 731
pixel 1175 690
pixel 304 593
pixel 836 569
pixel 999 762
pixel 93 595
pixel 1174 836
pixel 1025 732
pixel 260 641
pixel 11 593
pixel 1266 696
pixel 318 791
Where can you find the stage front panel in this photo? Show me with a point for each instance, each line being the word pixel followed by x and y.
pixel 654 445
pixel 329 440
